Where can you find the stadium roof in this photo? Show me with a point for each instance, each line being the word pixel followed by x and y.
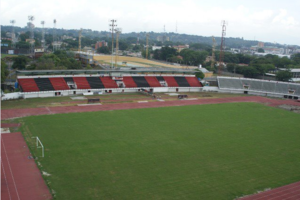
pixel 127 71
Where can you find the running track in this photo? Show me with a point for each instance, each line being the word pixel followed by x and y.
pixel 15 113
pixel 20 177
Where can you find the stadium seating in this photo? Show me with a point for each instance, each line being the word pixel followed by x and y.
pixel 152 81
pixel 170 81
pixel 28 85
pixel 181 81
pixel 140 81
pixel 59 83
pixel 68 79
pixel 193 81
pixel 100 82
pixel 160 78
pixel 44 84
pixel 129 82
pixel 81 83
pixel 95 82
pixel 259 85
pixel 108 82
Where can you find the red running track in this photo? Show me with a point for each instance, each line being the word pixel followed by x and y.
pixel 288 192
pixel 20 177
pixel 15 113
pixel 8 125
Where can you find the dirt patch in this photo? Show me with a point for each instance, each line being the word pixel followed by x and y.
pixel 295 109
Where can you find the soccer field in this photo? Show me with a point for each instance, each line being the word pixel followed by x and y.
pixel 219 151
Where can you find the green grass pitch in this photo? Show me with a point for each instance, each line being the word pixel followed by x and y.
pixel 219 151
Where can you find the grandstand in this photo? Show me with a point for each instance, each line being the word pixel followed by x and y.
pixel 63 85
pixel 259 87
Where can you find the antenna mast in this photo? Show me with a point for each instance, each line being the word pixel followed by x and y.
pixel 221 58
pixel 13 36
pixel 31 27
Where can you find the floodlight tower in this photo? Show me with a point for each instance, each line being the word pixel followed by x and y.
pixel 54 36
pixel 221 58
pixel 147 36
pixel 118 32
pixel 112 25
pixel 31 27
pixel 13 37
pixel 43 35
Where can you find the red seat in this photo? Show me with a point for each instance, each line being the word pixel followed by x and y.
pixel 108 82
pixel 170 81
pixel 81 83
pixel 28 85
pixel 193 81
pixel 152 81
pixel 129 82
pixel 59 83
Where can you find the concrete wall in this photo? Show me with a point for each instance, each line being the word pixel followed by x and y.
pixel 9 96
pixel 115 90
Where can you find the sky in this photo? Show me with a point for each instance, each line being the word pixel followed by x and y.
pixel 261 20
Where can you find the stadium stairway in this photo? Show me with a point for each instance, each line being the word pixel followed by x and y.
pixel 81 83
pixel 59 83
pixel 28 85
pixel 44 84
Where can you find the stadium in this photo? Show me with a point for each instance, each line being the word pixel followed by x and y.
pixel 149 135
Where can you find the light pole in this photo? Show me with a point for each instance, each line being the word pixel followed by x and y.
pixel 112 25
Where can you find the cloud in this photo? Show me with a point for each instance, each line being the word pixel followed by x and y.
pixel 273 22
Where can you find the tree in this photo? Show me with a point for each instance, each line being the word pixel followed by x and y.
pixel 103 49
pixel 20 62
pixel 250 72
pixel 296 58
pixel 285 75
pixel 4 71
pixel 199 74
pixel 260 50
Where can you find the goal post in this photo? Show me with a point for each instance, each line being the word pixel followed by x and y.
pixel 39 145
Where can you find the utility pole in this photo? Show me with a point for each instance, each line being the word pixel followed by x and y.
pixel 13 36
pixel 31 26
pixel 147 36
pixel 213 52
pixel 221 58
pixel 118 31
pixel 54 35
pixel 79 40
pixel 112 25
